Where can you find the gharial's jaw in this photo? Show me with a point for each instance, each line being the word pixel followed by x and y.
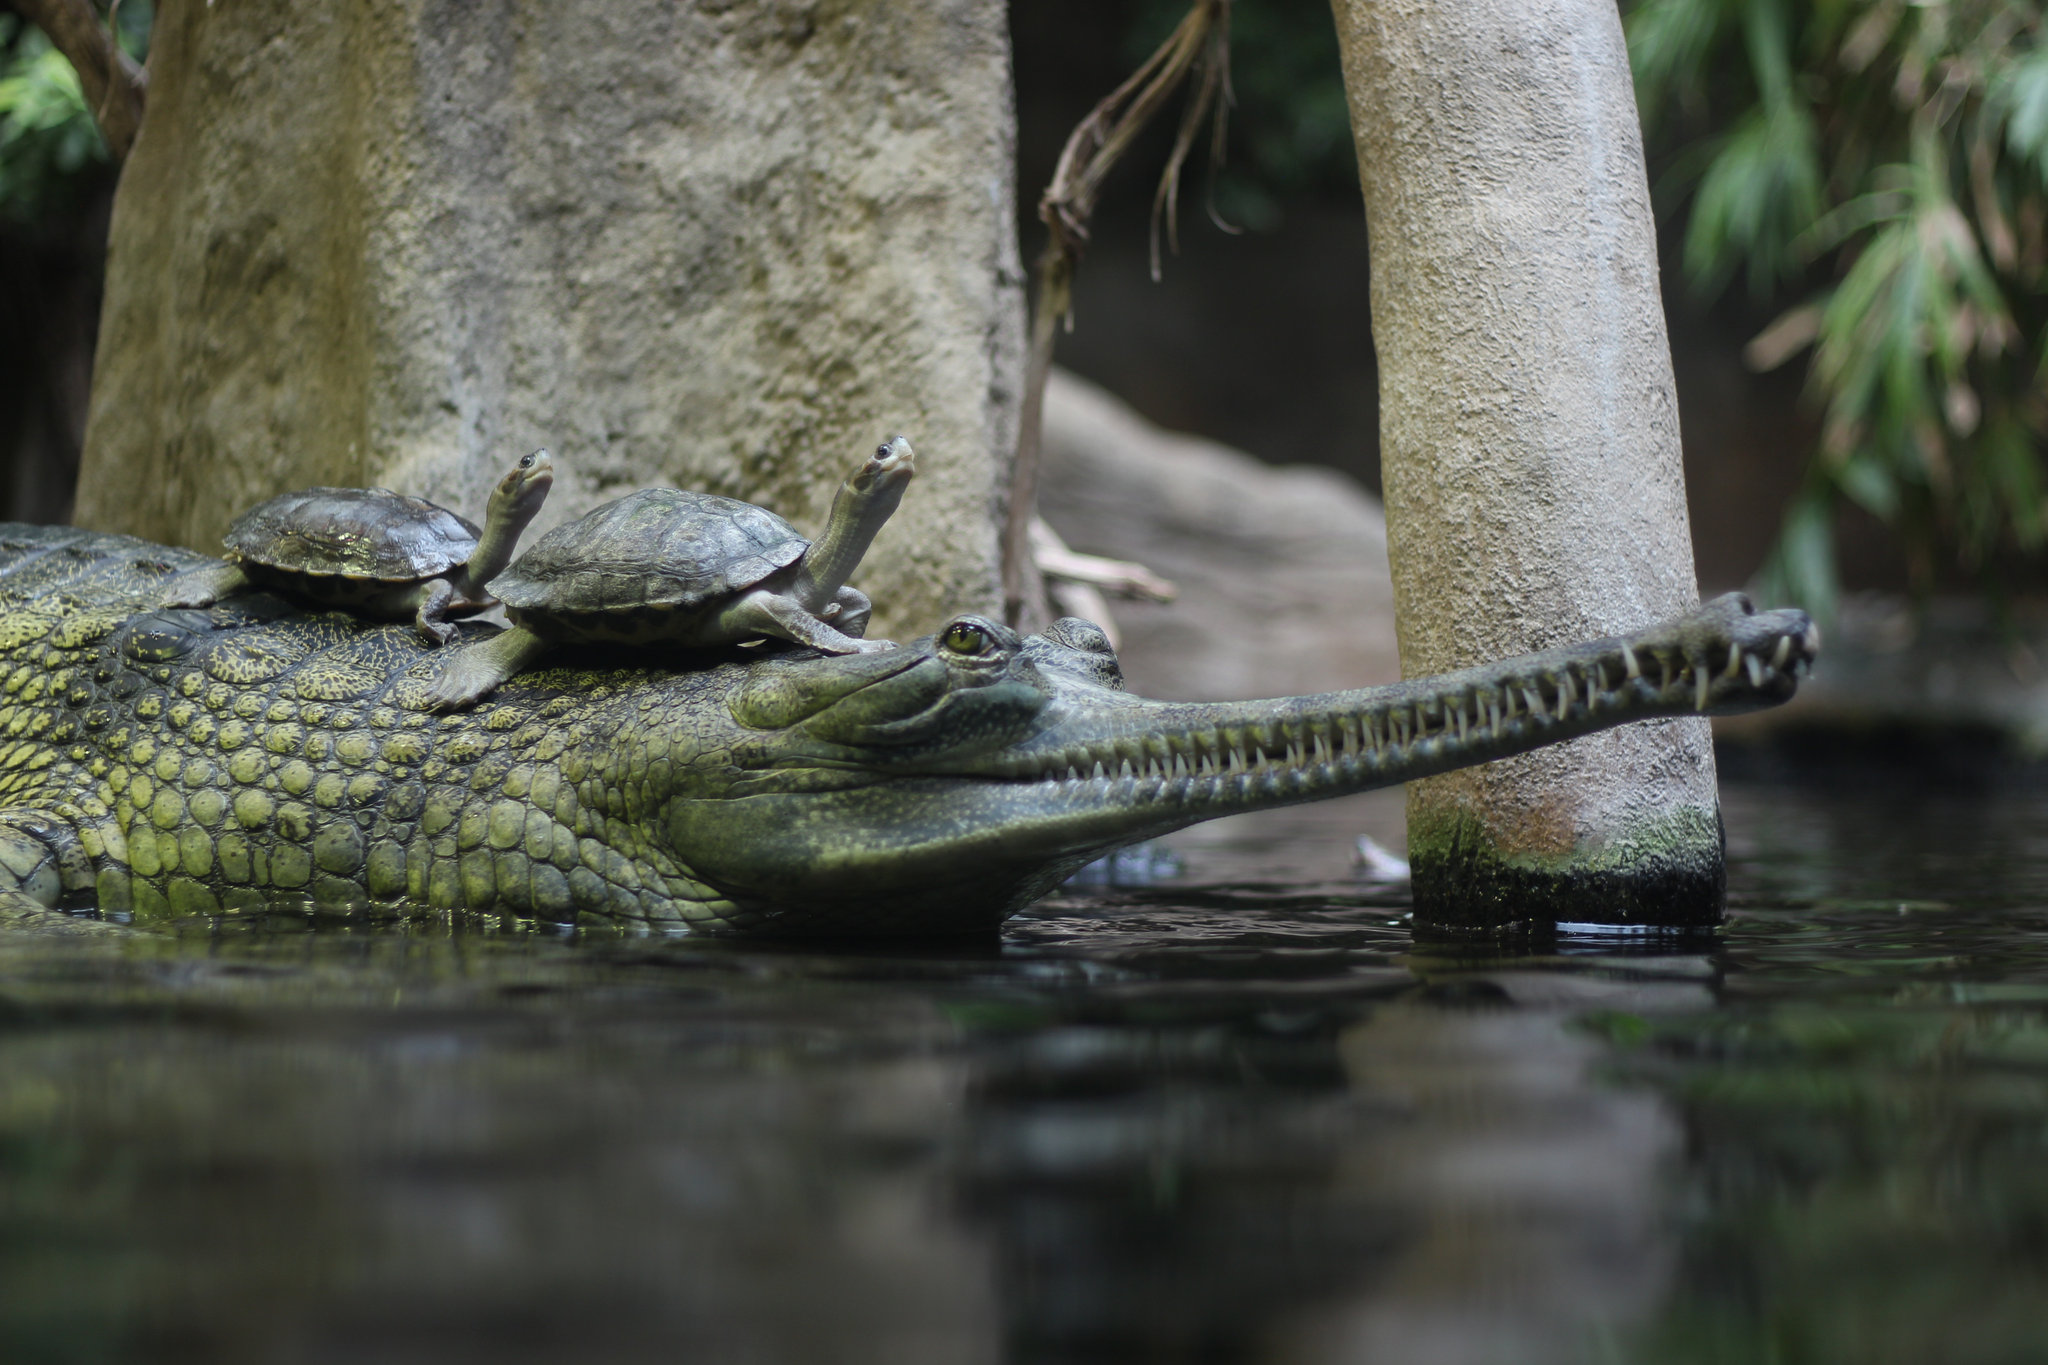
pixel 965 834
pixel 1723 659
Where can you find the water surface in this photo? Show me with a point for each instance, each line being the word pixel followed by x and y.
pixel 1239 1116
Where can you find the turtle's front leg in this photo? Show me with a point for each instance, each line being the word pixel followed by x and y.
pixel 767 613
pixel 432 617
pixel 204 587
pixel 473 672
pixel 849 612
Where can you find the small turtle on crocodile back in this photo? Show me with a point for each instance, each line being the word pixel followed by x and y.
pixel 374 552
pixel 692 569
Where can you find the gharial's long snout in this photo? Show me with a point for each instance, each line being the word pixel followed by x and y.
pixel 1723 658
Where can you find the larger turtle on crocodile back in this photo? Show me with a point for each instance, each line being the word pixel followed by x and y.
pixel 374 552
pixel 692 569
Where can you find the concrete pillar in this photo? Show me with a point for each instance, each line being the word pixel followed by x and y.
pixel 1529 432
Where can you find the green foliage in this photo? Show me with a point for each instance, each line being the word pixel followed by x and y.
pixel 46 133
pixel 48 140
pixel 1888 161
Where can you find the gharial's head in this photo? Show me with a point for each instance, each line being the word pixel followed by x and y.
pixel 942 785
pixel 924 788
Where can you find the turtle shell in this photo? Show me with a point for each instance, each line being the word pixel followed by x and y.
pixel 368 533
pixel 659 549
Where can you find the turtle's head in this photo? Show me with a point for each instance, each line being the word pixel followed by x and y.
pixel 866 499
pixel 514 502
pixel 890 468
pixel 524 488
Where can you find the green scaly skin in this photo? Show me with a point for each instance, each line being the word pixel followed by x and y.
pixel 172 762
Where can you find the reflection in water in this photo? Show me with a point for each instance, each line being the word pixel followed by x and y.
pixel 1535 1193
pixel 1239 1119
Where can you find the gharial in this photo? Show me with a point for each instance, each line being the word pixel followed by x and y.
pixel 373 551
pixel 695 569
pixel 160 763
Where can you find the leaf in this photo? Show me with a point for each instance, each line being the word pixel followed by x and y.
pixel 2012 464
pixel 1869 35
pixel 1758 196
pixel 1961 407
pixel 1767 36
pixel 1801 569
pixel 1791 332
pixel 1669 42
pixel 46 132
pixel 2020 92
pixel 1870 485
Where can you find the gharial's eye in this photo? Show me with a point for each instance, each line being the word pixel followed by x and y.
pixel 963 637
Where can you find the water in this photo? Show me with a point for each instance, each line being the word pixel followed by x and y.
pixel 1242 1116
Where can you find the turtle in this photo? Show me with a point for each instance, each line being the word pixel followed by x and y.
pixel 669 566
pixel 374 552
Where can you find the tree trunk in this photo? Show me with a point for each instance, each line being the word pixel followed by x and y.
pixel 1529 432
pixel 729 246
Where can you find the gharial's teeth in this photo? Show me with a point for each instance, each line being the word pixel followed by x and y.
pixel 1628 659
pixel 1535 700
pixel 1783 653
pixel 1756 670
pixel 1734 661
pixel 1700 674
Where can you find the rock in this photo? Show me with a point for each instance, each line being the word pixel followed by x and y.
pixel 727 245
pixel 1282 572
